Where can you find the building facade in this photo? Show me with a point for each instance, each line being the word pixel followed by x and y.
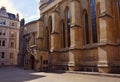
pixel 9 37
pixel 82 35
pixel 28 45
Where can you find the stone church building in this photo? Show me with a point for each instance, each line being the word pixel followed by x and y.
pixel 82 35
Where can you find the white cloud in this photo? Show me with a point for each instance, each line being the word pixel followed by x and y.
pixel 31 18
pixel 9 7
pixel 38 0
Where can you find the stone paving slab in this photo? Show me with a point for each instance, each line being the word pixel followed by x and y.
pixel 95 73
pixel 13 74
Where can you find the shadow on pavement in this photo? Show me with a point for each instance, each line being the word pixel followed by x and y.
pixel 14 74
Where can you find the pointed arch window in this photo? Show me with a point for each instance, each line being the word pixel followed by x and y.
pixel 47 38
pixel 68 26
pixel 86 28
pixel 50 23
pixel 63 34
pixel 94 23
pixel 119 5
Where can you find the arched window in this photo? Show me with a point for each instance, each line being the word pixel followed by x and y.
pixel 63 34
pixel 50 23
pixel 119 5
pixel 47 38
pixel 94 24
pixel 86 28
pixel 68 26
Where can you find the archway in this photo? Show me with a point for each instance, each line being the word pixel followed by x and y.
pixel 32 62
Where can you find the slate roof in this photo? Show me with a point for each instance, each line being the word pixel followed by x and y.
pixel 11 16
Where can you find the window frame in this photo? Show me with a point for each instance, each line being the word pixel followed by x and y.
pixel 3 43
pixel 3 55
pixel 12 45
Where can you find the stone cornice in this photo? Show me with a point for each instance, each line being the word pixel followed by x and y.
pixel 75 0
pixel 91 46
pixel 9 27
pixel 51 5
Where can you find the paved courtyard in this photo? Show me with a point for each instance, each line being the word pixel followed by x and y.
pixel 13 74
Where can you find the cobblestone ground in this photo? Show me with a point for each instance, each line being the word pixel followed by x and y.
pixel 13 74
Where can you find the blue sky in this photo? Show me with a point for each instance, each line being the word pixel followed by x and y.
pixel 28 9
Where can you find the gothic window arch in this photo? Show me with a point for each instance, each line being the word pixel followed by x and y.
pixel 50 23
pixel 63 34
pixel 68 21
pixel 47 38
pixel 119 6
pixel 94 23
pixel 86 28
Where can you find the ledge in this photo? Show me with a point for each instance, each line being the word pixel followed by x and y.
pixel 49 6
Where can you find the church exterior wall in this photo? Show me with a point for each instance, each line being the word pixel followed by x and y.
pixel 83 46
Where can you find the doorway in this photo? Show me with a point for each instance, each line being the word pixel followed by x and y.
pixel 32 62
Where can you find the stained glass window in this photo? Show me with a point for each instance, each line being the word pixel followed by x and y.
pixel 94 24
pixel 68 26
